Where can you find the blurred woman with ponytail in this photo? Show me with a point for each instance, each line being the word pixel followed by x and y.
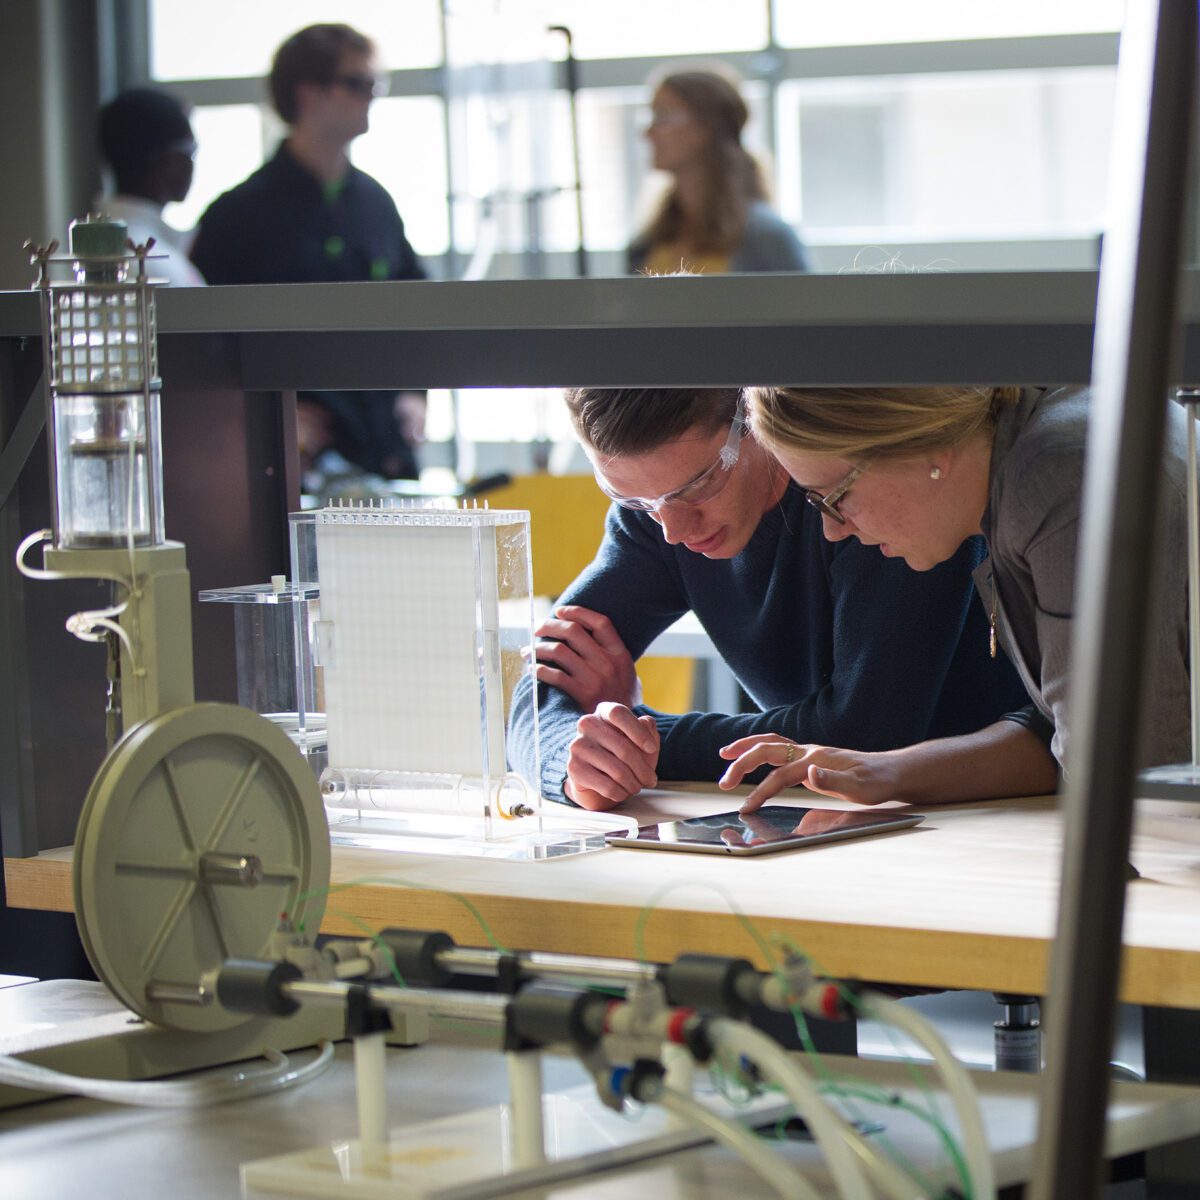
pixel 715 217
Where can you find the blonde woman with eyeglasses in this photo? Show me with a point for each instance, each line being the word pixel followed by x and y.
pixel 914 472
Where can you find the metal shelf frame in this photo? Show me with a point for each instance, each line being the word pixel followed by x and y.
pixel 1013 328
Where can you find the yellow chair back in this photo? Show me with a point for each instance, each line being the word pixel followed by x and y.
pixel 566 525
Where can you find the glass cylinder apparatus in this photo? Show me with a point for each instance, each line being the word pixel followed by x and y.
pixel 102 372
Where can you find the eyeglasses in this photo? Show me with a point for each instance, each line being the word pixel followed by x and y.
pixel 704 487
pixel 366 86
pixel 827 504
pixel 667 117
pixel 185 146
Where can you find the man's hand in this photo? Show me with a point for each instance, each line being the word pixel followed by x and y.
pixel 613 755
pixel 861 776
pixel 584 656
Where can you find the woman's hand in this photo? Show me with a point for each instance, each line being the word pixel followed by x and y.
pixel 859 776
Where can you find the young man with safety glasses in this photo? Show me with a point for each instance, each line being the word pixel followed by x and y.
pixel 831 641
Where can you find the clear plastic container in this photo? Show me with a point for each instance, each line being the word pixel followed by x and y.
pixel 272 661
pixel 107 493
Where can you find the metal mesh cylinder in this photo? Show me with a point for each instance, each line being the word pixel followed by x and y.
pixel 101 363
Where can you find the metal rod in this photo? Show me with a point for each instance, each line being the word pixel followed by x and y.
pixel 145 293
pixel 238 870
pixel 571 69
pixel 194 994
pixel 1193 503
pixel 464 1006
pixel 1131 372
pixel 614 972
pixel 46 299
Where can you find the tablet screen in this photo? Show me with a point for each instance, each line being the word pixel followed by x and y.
pixel 774 826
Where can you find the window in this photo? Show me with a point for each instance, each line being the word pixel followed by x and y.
pixel 638 28
pixel 877 22
pixel 235 39
pixel 1003 154
pixel 230 139
pixel 509 415
pixel 406 151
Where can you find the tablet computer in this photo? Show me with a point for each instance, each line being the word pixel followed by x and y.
pixel 773 827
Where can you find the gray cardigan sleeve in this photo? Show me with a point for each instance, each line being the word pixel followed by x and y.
pixel 1037 535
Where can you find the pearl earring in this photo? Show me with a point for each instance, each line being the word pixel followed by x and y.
pixel 935 473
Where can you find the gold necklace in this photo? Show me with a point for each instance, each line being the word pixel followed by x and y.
pixel 992 619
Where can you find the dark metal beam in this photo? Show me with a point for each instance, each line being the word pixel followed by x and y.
pixel 1133 366
pixel 1019 328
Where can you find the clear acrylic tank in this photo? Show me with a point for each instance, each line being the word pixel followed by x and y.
pixel 425 612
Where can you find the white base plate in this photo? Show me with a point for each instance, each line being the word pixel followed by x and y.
pixel 531 839
pixel 450 1155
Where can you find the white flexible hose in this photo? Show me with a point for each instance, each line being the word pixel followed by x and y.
pixel 889 1177
pixel 757 1154
pixel 834 1135
pixel 83 625
pixel 170 1093
pixel 958 1083
pixel 40 535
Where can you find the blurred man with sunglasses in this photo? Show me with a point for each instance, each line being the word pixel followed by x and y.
pixel 821 635
pixel 310 216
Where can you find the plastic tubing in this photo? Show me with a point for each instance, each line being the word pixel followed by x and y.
pixel 171 1093
pixel 846 1151
pixel 82 625
pixel 680 1074
pixel 759 1155
pixel 41 535
pixel 958 1084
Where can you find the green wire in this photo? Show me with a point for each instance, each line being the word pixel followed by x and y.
pixel 723 1083
pixel 469 905
pixel 834 1083
pixel 376 937
pixel 647 910
pixel 893 1101
pixel 639 935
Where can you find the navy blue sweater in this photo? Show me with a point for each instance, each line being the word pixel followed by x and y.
pixel 835 643
pixel 281 225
